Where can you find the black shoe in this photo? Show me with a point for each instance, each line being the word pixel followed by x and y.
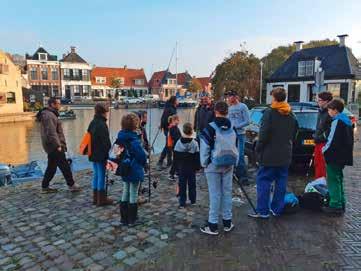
pixel 228 225
pixel 123 206
pixel 333 211
pixel 171 178
pixel 133 215
pixel 210 229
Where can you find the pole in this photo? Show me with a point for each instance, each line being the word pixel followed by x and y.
pixel 260 84
pixel 176 67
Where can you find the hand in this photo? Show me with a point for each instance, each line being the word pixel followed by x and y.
pixel 59 149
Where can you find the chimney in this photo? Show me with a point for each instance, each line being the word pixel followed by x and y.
pixel 72 49
pixel 125 67
pixel 64 55
pixel 342 39
pixel 298 45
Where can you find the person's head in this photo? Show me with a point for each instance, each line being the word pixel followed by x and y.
pixel 54 103
pixel 101 110
pixel 221 109
pixel 173 101
pixel 335 107
pixel 324 98
pixel 232 97
pixel 174 120
pixel 204 98
pixel 187 129
pixel 130 122
pixel 143 115
pixel 278 95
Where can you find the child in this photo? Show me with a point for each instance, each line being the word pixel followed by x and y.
pixel 129 141
pixel 173 135
pixel 186 159
pixel 219 155
pixel 338 154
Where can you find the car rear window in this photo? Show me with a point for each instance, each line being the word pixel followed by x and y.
pixel 256 116
pixel 307 120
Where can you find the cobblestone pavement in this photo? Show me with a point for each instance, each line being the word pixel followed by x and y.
pixel 65 231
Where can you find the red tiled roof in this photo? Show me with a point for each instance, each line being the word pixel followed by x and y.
pixel 129 75
pixel 204 81
pixel 156 80
pixel 182 78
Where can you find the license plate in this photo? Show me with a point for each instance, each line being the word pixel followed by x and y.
pixel 309 142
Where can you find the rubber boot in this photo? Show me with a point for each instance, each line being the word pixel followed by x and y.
pixel 95 197
pixel 123 206
pixel 133 215
pixel 169 158
pixel 103 200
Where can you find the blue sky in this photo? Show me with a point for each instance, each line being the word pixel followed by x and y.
pixel 143 33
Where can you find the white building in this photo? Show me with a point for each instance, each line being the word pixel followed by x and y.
pixel 340 68
pixel 75 76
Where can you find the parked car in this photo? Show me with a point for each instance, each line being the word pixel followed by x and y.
pixel 151 97
pixel 131 100
pixel 66 101
pixel 304 143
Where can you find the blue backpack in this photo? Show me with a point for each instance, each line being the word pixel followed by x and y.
pixel 225 152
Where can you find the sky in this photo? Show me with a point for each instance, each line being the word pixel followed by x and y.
pixel 143 33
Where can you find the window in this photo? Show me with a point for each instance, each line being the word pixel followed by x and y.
pixel 4 68
pixel 139 82
pixel 85 75
pixel 44 73
pixel 76 91
pixel 86 90
pixel 334 89
pixel 54 73
pixel 256 117
pixel 100 80
pixel 66 73
pixel 293 93
pixel 43 56
pixel 55 91
pixel 305 68
pixel 76 73
pixel 33 73
pixel 171 81
pixel 10 97
pixel 307 120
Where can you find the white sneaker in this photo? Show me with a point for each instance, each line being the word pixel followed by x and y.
pixel 207 230
pixel 253 215
pixel 228 229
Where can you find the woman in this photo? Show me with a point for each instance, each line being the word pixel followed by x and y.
pixel 129 139
pixel 170 109
pixel 100 145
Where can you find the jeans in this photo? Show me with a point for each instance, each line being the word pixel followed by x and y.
pixel 335 186
pixel 265 177
pixel 57 159
pixel 187 178
pixel 220 195
pixel 130 192
pixel 241 170
pixel 99 176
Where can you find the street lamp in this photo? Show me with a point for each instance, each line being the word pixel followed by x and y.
pixel 260 84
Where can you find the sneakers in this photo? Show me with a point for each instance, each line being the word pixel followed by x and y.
pixel 257 215
pixel 274 214
pixel 74 188
pixel 171 178
pixel 210 229
pixel 228 225
pixel 333 211
pixel 48 190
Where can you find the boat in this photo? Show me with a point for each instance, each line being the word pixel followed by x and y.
pixel 67 115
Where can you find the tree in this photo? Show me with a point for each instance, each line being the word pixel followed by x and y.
pixel 116 83
pixel 239 72
pixel 194 85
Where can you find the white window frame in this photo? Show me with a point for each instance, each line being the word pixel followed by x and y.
pixel 43 54
pixel 100 79
pixel 306 68
pixel 139 82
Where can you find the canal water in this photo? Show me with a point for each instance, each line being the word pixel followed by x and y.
pixel 21 143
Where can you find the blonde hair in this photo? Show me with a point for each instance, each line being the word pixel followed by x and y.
pixel 173 118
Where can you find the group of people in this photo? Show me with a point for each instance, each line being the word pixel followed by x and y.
pixel 213 144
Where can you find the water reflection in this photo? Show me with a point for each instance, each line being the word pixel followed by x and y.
pixel 21 143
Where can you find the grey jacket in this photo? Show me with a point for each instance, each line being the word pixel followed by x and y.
pixel 238 114
pixel 275 138
pixel 51 130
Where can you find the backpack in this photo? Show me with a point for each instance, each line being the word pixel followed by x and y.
pixel 124 161
pixel 225 152
pixel 313 201
pixel 85 147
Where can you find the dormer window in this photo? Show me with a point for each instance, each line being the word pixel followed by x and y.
pixel 43 56
pixel 305 68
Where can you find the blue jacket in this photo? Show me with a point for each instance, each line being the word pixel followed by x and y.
pixel 136 151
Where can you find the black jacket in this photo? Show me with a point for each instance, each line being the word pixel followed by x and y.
pixel 99 139
pixel 339 147
pixel 275 139
pixel 175 134
pixel 203 116
pixel 169 110
pixel 186 155
pixel 144 137
pixel 323 126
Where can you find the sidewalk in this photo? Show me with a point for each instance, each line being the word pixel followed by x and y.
pixel 65 231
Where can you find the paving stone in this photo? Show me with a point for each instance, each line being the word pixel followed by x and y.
pixel 154 232
pixel 120 255
pixel 99 256
pixel 9 267
pixel 95 267
pixel 130 249
pixel 164 237
pixel 131 261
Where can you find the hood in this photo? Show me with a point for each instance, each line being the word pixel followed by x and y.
pixel 186 140
pixel 125 135
pixel 282 107
pixel 186 145
pixel 223 123
pixel 344 118
pixel 40 113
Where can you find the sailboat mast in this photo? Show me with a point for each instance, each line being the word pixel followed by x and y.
pixel 176 67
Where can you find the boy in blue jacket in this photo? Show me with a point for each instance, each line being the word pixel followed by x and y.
pixel 338 153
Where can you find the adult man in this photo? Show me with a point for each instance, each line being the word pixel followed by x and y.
pixel 54 144
pixel 322 131
pixel 170 109
pixel 204 113
pixel 274 149
pixel 239 116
